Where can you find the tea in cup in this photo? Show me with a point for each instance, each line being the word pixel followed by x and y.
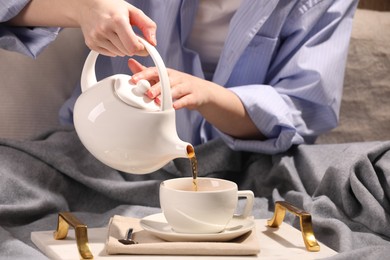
pixel 205 210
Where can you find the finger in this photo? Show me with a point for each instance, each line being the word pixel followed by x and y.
pixel 102 46
pixel 135 66
pixel 178 87
pixel 154 91
pixel 129 39
pixel 131 43
pixel 116 45
pixel 144 23
pixel 184 102
pixel 105 44
pixel 149 74
pixel 103 51
pixel 158 100
pixel 105 41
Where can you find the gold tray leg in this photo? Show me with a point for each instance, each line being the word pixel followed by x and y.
pixel 64 220
pixel 305 221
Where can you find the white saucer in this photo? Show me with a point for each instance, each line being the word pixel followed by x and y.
pixel 158 226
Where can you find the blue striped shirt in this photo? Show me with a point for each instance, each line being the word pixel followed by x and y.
pixel 285 59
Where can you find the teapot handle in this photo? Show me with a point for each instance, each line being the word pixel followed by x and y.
pixel 88 76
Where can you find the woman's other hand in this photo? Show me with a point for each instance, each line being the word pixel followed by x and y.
pixel 218 105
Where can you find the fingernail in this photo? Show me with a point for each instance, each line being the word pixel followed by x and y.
pixel 153 39
pixel 157 100
pixel 149 94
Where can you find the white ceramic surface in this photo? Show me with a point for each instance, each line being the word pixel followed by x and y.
pixel 207 210
pixel 123 128
pixel 158 226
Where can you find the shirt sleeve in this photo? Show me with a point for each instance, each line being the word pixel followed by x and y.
pixel 29 41
pixel 303 97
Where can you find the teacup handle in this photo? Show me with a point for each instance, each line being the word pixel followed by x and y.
pixel 88 75
pixel 250 197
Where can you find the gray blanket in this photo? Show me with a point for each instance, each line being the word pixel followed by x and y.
pixel 346 188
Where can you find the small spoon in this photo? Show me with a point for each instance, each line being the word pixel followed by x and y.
pixel 128 240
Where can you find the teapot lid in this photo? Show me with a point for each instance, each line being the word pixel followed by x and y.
pixel 134 94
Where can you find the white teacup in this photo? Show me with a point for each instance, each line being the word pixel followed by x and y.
pixel 207 210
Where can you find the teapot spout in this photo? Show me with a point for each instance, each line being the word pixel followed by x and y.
pixel 190 151
pixel 159 156
pixel 183 150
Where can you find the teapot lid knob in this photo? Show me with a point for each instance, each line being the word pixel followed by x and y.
pixel 142 86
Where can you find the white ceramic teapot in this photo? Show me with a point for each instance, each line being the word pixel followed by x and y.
pixel 123 128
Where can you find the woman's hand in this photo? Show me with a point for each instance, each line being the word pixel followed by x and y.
pixel 218 105
pixel 187 91
pixel 107 27
pixel 106 24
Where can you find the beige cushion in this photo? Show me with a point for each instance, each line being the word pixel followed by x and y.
pixel 32 91
pixel 365 108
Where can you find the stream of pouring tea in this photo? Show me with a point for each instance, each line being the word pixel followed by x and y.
pixel 194 168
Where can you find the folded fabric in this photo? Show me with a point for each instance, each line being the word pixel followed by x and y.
pixel 148 244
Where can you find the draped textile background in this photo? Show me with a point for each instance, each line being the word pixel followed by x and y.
pixel 344 186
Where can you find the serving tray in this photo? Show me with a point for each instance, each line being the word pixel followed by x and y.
pixel 284 242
